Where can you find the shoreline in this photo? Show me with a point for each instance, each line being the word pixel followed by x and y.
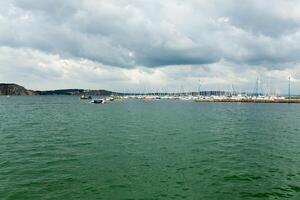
pixel 278 101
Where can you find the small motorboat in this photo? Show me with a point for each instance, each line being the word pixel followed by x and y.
pixel 111 99
pixel 98 101
pixel 85 97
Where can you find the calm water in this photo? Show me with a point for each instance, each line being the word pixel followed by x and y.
pixel 64 148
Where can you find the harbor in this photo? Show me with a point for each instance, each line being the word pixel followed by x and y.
pixel 199 99
pixel 258 95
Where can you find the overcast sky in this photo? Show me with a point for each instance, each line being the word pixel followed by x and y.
pixel 137 45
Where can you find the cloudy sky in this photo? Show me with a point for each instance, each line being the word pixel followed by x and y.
pixel 137 45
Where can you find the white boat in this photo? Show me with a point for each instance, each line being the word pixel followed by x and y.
pixel 98 101
pixel 85 97
pixel 185 98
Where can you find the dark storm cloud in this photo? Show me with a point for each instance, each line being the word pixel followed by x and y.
pixel 156 33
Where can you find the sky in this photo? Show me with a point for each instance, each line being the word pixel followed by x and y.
pixel 151 45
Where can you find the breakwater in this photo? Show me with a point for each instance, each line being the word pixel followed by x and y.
pixel 250 100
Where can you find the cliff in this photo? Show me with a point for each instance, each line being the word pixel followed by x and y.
pixel 14 89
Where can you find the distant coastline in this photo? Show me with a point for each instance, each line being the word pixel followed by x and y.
pixel 13 89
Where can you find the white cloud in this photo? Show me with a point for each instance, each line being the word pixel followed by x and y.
pixel 138 44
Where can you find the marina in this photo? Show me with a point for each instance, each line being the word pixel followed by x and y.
pixel 212 99
pixel 257 96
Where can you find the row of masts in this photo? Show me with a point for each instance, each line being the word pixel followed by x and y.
pixel 260 89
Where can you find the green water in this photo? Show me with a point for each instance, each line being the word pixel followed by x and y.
pixel 63 148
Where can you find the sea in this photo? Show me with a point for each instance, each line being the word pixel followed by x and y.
pixel 64 148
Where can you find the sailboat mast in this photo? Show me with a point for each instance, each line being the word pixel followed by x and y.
pixel 290 87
